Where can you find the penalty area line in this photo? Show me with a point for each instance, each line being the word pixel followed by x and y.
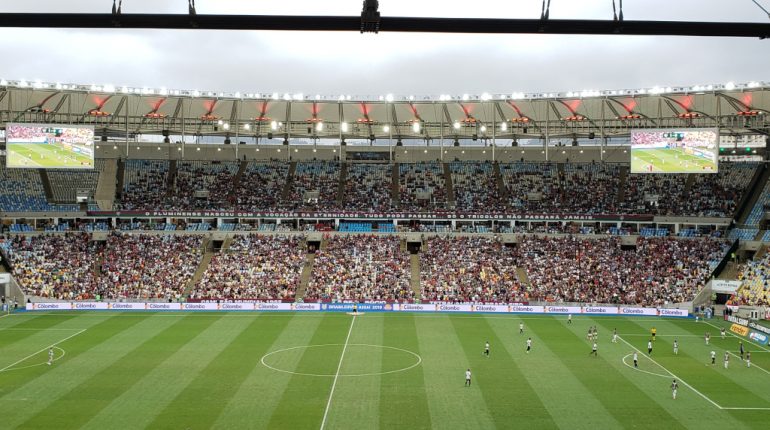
pixel 672 374
pixel 38 352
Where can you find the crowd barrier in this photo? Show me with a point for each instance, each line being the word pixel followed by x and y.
pixel 361 307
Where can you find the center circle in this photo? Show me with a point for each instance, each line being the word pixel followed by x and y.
pixel 357 353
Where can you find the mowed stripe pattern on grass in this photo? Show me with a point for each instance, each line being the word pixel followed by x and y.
pixel 199 371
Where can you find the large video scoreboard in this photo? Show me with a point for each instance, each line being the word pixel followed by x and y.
pixel 675 151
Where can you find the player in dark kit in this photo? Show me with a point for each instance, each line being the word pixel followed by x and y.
pixel 740 348
pixel 486 349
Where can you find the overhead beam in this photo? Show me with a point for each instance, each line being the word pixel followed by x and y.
pixel 388 24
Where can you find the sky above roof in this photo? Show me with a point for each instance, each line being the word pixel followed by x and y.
pixel 371 64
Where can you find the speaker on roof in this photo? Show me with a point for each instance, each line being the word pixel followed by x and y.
pixel 227 141
pixel 591 135
pixel 269 135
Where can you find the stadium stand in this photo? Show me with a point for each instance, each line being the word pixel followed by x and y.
pixel 65 183
pixel 589 188
pixel 469 269
pixel 755 289
pixel 145 185
pixel 361 267
pixel 422 187
pixel 319 176
pixel 58 266
pixel 202 185
pixel 148 266
pixel 260 186
pixel 657 272
pixel 475 187
pixel 21 190
pixel 367 188
pixel 532 187
pixel 254 267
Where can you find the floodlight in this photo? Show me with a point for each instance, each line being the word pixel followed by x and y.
pixel 385 129
pixel 730 86
pixel 416 127
pixel 389 98
pixel 273 125
pixel 465 97
pixel 486 96
pixel 319 126
pixel 246 126
pixel 456 125
pixel 344 127
pixel 226 126
pixel 220 122
pixel 504 126
pixel 483 129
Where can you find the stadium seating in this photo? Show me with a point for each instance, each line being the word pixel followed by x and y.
pixel 755 289
pixel 589 188
pixel 532 187
pixel 254 267
pixel 320 176
pixel 21 190
pixel 469 269
pixel 261 185
pixel 148 266
pixel 361 267
pixel 58 266
pixel 65 183
pixel 368 188
pixel 215 179
pixel 475 187
pixel 145 184
pixel 422 187
pixel 356 227
pixel 659 271
pixel 743 233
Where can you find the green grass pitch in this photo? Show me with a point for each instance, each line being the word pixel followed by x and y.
pixel 116 370
pixel 671 160
pixel 46 156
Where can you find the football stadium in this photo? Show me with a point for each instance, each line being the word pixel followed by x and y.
pixel 270 259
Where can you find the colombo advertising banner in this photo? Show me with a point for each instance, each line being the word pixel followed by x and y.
pixel 363 307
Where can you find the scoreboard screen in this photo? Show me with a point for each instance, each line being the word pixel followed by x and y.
pixel 674 151
pixel 49 146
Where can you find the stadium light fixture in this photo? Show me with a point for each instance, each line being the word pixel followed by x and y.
pixel 730 86
pixel 503 126
pixel 115 147
pixel 456 125
pixel 319 126
pixel 483 128
pixel 344 127
pixel 246 127
pixel 465 97
pixel 226 126
pixel 486 97
pixel 389 98
pixel 220 122
pixel 22 84
pixel 385 129
pixel 416 127
pixel 273 125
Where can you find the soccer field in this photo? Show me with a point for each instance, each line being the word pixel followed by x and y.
pixel 670 160
pixel 336 371
pixel 46 156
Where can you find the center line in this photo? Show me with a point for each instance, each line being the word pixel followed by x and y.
pixel 337 374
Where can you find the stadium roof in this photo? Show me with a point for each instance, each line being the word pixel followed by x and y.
pixel 734 108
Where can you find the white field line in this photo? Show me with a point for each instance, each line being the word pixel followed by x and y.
pixel 727 330
pixel 674 376
pixel 38 352
pixel 337 374
pixel 743 361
